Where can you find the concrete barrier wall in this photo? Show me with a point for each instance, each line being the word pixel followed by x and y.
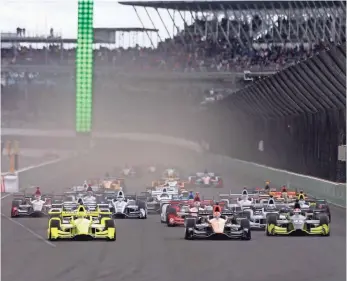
pixel 333 192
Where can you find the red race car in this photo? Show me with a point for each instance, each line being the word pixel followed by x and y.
pixel 175 212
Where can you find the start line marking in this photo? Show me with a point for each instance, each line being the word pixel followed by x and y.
pixel 31 231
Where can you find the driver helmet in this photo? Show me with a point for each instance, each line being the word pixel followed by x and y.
pixel 38 191
pixel 297 211
pixel 191 192
pixel 89 191
pixel 37 194
pixel 216 215
pixel 244 191
pixel 197 204
pixel 197 197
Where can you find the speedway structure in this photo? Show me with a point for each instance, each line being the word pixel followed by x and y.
pixel 295 119
pixel 300 110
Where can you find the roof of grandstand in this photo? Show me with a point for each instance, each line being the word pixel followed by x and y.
pixel 221 5
pixel 40 39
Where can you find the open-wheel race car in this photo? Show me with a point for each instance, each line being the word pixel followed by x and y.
pixel 220 225
pixel 128 206
pixel 174 212
pixel 205 180
pixel 81 224
pixel 25 205
pixel 297 223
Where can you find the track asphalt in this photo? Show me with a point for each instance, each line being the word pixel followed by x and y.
pixel 147 250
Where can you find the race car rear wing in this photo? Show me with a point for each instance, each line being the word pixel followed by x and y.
pixel 104 209
pixel 231 195
pixel 23 195
pixel 204 213
pixel 130 196
pixel 159 192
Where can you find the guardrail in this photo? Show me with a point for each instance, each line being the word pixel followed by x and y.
pixel 332 191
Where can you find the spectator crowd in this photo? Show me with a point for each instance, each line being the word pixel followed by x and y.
pixel 35 96
pixel 233 46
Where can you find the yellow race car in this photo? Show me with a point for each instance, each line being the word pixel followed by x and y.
pixel 297 223
pixel 81 224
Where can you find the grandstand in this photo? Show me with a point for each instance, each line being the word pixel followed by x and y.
pixel 298 112
pixel 226 36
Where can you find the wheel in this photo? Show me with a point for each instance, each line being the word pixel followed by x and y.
pixel 170 211
pixel 188 235
pixel 246 227
pixel 271 219
pixel 53 224
pixel 324 222
pixel 15 204
pixel 246 214
pixel 190 224
pixel 111 224
pixel 142 205
pixel 267 233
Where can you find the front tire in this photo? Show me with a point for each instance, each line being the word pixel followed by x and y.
pixel 53 224
pixel 246 227
pixel 188 235
pixel 111 224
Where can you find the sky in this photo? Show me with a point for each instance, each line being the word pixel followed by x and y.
pixel 38 16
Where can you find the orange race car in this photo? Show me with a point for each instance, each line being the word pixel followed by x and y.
pixel 113 184
pixel 283 193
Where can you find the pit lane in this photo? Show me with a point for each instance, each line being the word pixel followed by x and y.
pixel 147 250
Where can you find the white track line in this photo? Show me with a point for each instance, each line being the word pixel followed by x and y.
pixel 30 231
pixel 3 197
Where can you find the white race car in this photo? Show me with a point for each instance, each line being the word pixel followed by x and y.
pixel 258 213
pixel 122 207
pixel 170 174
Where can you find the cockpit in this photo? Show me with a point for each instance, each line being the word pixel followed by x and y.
pixel 297 212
